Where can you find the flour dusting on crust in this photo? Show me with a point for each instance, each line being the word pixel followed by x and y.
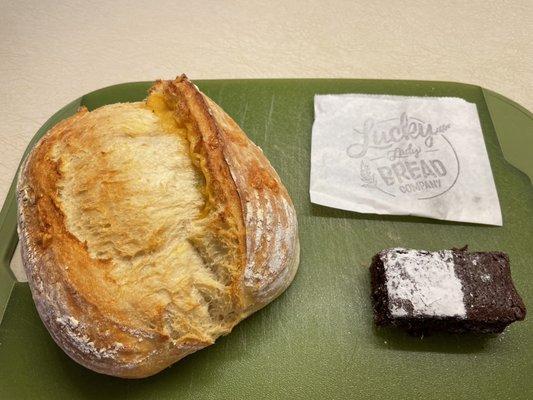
pixel 422 283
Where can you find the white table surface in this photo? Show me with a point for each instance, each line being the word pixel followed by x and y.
pixel 53 53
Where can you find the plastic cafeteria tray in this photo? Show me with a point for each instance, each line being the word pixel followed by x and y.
pixel 316 341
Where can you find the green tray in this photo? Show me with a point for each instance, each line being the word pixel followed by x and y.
pixel 317 340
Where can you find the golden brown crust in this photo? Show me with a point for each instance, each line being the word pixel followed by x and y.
pixel 248 242
pixel 65 300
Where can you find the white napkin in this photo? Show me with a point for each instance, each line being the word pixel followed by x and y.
pixel 402 155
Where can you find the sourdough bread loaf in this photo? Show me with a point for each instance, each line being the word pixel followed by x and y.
pixel 149 229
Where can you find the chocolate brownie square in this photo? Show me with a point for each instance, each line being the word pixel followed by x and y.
pixel 448 290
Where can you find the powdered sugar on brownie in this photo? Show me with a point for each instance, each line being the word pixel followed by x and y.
pixel 422 283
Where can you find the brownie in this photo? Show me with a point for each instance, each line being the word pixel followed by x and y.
pixel 448 291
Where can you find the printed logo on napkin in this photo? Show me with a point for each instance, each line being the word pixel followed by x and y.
pixel 405 156
pixel 402 155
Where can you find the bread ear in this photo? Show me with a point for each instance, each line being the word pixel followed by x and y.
pixel 264 206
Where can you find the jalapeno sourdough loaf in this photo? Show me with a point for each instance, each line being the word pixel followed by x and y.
pixel 149 229
pixel 447 290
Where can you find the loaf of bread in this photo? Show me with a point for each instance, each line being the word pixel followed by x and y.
pixel 150 229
